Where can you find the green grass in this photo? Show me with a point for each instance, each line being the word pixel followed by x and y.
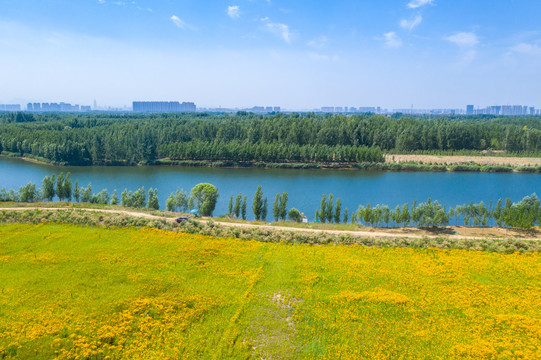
pixel 73 292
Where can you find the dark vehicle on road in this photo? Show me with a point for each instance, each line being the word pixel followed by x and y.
pixel 181 219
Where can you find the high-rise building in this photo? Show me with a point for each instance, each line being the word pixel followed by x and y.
pixel 163 106
pixel 469 109
pixel 495 110
pixel 10 107
pixel 367 109
pixel 156 106
pixel 188 107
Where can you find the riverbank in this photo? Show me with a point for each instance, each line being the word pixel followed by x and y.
pixel 394 163
pixel 449 237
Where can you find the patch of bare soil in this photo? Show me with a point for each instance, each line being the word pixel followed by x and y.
pixel 483 160
pixel 498 232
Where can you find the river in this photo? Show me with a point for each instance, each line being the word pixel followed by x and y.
pixel 305 187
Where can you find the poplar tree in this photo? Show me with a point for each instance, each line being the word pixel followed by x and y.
pixel 48 187
pixel 181 200
pixel 60 186
pixel 244 205
pixel 257 204
pixel 236 208
pixel 276 207
pixel 230 206
pixel 67 187
pixel 170 203
pixel 283 205
pixel 264 210
pixel 337 211
pixel 405 217
pixel 86 196
pixel 153 202
pixel 323 209
pixel 114 198
pixel 126 198
pixel 330 209
pixel 77 191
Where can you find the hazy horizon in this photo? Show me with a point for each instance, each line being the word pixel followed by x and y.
pixel 237 54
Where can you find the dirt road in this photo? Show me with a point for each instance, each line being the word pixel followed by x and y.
pixel 408 233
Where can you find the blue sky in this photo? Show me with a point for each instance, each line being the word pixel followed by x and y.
pixel 298 55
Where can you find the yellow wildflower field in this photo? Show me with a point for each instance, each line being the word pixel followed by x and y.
pixel 71 292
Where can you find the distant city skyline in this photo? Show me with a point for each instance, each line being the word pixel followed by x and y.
pixel 179 107
pixel 298 55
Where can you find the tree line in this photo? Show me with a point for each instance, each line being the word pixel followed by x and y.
pixel 87 139
pixel 203 197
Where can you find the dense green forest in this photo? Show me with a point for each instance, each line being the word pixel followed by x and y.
pixel 281 138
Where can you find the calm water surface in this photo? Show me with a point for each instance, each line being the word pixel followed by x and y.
pixel 305 187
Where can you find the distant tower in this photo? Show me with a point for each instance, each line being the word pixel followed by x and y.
pixel 95 107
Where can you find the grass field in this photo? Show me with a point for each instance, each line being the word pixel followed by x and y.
pixel 72 292
pixel 458 159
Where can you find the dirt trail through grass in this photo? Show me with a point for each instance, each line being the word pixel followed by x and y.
pixel 451 233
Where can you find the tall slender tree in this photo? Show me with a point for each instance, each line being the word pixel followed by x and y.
pixel 264 210
pixel 330 209
pixel 238 204
pixel 244 206
pixel 323 209
pixel 283 205
pixel 48 187
pixel 276 207
pixel 337 211
pixel 257 204
pixel 230 206
pixel 77 191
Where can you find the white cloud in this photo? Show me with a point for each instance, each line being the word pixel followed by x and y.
pixel 321 57
pixel 464 39
pixel 414 4
pixel 467 42
pixel 181 24
pixel 101 1
pixel 527 49
pixel 318 43
pixel 392 40
pixel 233 11
pixel 281 30
pixel 411 24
